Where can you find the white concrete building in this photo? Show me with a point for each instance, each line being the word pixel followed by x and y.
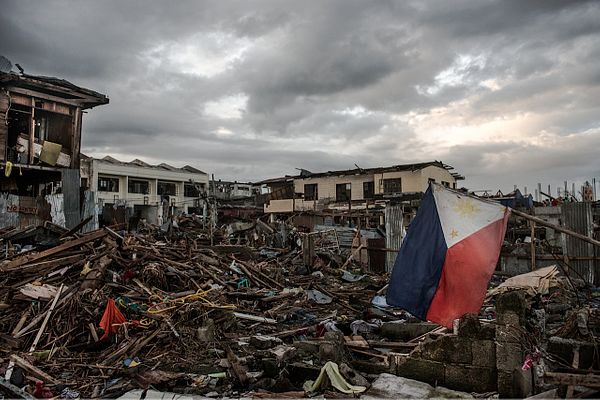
pixel 150 191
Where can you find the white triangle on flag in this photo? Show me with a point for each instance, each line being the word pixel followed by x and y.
pixel 462 215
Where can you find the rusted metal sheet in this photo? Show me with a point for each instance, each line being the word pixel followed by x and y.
pixel 89 209
pixel 8 217
pixel 578 218
pixel 57 209
pixel 71 183
pixel 22 211
pixel 394 232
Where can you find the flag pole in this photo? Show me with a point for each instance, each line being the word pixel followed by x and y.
pixel 558 228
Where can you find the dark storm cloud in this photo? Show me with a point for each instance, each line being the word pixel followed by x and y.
pixel 251 90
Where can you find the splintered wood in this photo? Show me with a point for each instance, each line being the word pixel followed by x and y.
pixel 184 305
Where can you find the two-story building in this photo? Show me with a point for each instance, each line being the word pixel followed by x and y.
pixel 312 191
pixel 152 192
pixel 40 139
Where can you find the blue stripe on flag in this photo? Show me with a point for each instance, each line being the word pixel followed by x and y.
pixel 418 267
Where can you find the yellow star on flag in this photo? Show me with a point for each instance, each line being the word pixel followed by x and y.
pixel 466 207
pixel 454 233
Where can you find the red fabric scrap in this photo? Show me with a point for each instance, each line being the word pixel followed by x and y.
pixel 111 319
pixel 42 392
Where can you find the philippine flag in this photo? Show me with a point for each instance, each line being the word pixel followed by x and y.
pixel 448 256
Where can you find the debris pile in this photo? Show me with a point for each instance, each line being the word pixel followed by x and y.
pixel 106 313
pixel 103 312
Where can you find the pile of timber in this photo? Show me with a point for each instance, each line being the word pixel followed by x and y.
pixel 186 306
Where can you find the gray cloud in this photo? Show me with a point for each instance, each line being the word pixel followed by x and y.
pixel 504 90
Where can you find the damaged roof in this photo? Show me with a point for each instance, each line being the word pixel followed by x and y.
pixel 55 87
pixel 376 170
pixel 139 163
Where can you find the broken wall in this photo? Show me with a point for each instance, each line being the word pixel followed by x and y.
pixel 22 211
pixel 479 358
pixel 466 361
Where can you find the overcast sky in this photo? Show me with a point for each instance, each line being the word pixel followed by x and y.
pixel 508 92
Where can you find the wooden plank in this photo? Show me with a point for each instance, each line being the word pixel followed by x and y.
pixel 356 341
pixel 38 318
pixel 354 253
pixel 563 378
pixel 93 331
pixel 77 227
pixel 392 345
pixel 54 250
pixel 21 321
pixel 254 318
pixel 49 265
pixel 238 371
pixel 22 363
pixel 48 314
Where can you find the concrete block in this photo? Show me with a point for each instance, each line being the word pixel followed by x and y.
pixel 305 346
pixel 508 334
pixel 508 356
pixel 509 318
pixel 452 349
pixel 513 301
pixel 523 382
pixel 514 384
pixel 506 387
pixel 488 332
pixel 469 326
pixel 405 331
pixel 431 372
pixel 470 379
pixel 484 353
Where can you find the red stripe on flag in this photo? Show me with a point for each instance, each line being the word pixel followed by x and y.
pixel 466 273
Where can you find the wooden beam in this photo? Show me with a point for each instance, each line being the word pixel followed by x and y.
pixel 352 255
pixel 49 265
pixel 54 250
pixel 557 228
pixel 77 227
pixel 22 363
pixel 563 378
pixel 43 327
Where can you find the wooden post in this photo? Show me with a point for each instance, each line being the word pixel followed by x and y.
pixel 31 132
pixel 308 250
pixel 532 224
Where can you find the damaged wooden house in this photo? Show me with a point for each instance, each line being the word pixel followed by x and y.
pixel 40 139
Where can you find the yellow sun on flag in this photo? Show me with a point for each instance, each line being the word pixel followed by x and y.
pixel 466 207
